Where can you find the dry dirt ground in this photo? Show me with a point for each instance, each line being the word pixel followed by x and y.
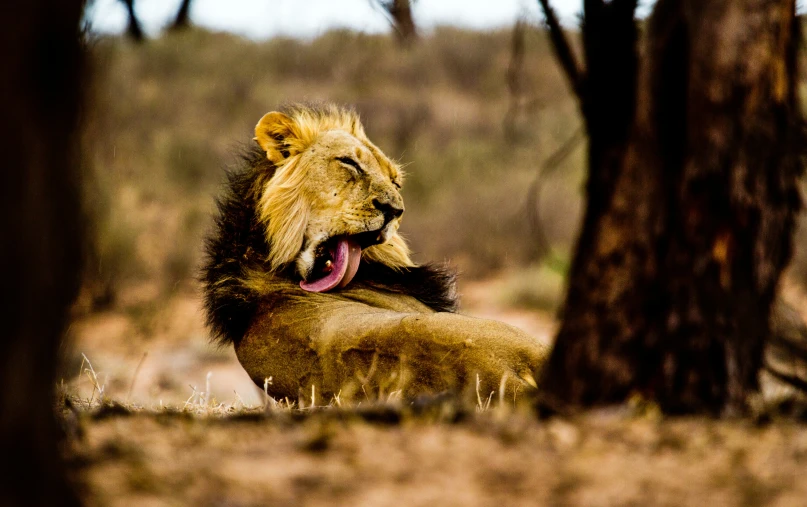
pixel 333 458
pixel 189 428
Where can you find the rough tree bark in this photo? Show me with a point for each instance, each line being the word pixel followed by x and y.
pixel 182 19
pixel 40 95
pixel 694 155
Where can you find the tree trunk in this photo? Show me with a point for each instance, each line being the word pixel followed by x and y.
pixel 402 21
pixel 182 19
pixel 694 156
pixel 40 97
pixel 133 29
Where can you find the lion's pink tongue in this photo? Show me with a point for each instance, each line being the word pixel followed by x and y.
pixel 346 257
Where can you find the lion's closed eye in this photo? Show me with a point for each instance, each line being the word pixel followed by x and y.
pixel 351 163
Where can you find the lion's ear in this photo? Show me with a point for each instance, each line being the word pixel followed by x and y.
pixel 275 133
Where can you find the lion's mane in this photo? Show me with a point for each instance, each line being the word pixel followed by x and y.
pixel 258 232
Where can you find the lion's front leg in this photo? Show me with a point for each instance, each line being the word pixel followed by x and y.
pixel 364 351
pixel 428 353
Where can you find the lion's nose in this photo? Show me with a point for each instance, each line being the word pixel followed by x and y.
pixel 390 210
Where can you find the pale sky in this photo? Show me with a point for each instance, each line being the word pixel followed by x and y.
pixel 261 19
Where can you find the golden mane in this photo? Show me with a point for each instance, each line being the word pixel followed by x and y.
pixel 283 208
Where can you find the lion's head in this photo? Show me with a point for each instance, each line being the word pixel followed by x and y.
pixel 334 197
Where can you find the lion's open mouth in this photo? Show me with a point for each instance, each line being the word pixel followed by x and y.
pixel 337 261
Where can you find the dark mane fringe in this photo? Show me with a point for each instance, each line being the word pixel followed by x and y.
pixel 237 244
pixel 435 285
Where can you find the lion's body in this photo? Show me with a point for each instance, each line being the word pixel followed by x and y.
pixel 316 183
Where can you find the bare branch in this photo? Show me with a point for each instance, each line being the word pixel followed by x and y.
pixel 515 71
pixel 133 29
pixel 182 19
pixel 542 247
pixel 399 14
pixel 793 380
pixel 563 50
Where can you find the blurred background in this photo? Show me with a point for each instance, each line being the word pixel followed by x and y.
pixel 469 99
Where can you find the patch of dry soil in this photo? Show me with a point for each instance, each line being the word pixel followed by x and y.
pixel 488 459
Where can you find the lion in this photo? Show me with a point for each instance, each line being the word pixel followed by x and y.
pixel 309 279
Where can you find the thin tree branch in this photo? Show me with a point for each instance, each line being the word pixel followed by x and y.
pixel 399 15
pixel 133 29
pixel 182 19
pixel 515 71
pixel 543 248
pixel 793 380
pixel 563 50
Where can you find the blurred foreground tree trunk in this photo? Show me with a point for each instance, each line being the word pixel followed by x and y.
pixel 40 96
pixel 400 12
pixel 695 148
pixel 133 29
pixel 182 19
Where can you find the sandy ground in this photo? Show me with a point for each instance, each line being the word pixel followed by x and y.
pixel 216 445
pixel 487 459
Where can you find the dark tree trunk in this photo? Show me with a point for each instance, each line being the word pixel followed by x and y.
pixel 182 19
pixel 694 155
pixel 133 29
pixel 402 21
pixel 40 95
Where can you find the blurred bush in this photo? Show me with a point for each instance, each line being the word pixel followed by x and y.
pixel 168 116
pixel 537 287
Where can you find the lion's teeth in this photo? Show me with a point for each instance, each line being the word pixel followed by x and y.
pixel 328 266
